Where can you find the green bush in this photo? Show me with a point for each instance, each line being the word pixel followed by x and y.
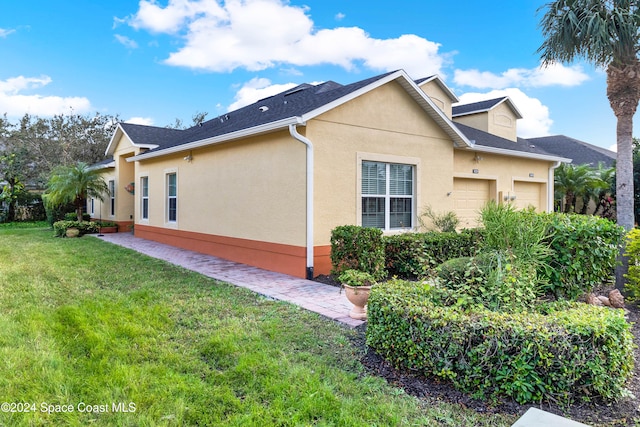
pixel 575 352
pixel 85 227
pixel 491 280
pixel 632 285
pixel 72 216
pixel 585 249
pixel 412 255
pixel 357 248
pixel 356 278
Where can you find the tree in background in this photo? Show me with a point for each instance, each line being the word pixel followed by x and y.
pixel 607 34
pixel 73 184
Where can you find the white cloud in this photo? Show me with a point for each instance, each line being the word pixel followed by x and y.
pixel 536 121
pixel 340 16
pixel 256 89
pixel 147 121
pixel 259 34
pixel 552 75
pixel 126 41
pixel 5 32
pixel 15 103
pixel 614 148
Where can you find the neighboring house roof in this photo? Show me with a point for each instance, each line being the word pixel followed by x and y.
pixel 483 106
pixel 489 143
pixel 581 152
pixel 295 107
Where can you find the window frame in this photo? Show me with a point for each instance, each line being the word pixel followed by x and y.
pixel 144 199
pixel 112 197
pixel 169 198
pixel 414 162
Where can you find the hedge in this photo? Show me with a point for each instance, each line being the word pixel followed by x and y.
pixel 564 353
pixel 411 255
pixel 85 227
pixel 585 249
pixel 357 248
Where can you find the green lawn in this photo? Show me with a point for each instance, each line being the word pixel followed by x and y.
pixel 89 330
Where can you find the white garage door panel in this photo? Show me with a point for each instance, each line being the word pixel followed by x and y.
pixel 528 194
pixel 469 197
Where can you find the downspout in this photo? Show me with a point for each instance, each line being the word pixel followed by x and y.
pixel 550 186
pixel 294 133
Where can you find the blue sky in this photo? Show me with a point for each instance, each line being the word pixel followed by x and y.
pixel 153 62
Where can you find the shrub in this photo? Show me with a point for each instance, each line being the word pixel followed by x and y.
pixel 445 222
pixel 585 249
pixel 492 280
pixel 85 227
pixel 357 248
pixel 411 255
pixel 632 285
pixel 72 216
pixel 572 352
pixel 356 278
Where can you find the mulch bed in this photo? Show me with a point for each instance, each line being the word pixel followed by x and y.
pixel 621 413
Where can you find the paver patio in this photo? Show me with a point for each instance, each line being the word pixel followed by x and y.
pixel 313 296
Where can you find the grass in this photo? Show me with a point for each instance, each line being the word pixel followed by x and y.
pixel 95 329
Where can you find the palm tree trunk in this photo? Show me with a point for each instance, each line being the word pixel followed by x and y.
pixel 623 92
pixel 624 172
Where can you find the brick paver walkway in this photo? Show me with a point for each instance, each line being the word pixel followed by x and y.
pixel 313 296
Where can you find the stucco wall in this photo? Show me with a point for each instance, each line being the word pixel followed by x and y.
pixel 502 122
pixel 252 189
pixel 438 96
pixel 505 171
pixel 382 123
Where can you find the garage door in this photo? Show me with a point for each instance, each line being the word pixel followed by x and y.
pixel 469 197
pixel 528 194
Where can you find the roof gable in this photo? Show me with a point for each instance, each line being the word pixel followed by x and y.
pixel 141 136
pixel 485 106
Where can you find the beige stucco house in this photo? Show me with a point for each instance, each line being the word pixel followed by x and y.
pixel 266 184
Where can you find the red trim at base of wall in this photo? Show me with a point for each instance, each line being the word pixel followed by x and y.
pixel 287 259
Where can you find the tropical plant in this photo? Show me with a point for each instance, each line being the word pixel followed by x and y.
pixel 570 182
pixel 73 184
pixel 607 34
pixel 446 222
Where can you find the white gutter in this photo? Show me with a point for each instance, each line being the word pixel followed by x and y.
pixel 516 153
pixel 550 186
pixel 294 133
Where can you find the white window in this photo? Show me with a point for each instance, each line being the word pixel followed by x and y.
pixel 92 206
pixel 387 195
pixel 172 198
pixel 112 198
pixel 144 197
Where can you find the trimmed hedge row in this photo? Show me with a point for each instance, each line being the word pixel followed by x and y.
pixel 357 248
pixel 566 352
pixel 585 249
pixel 85 227
pixel 414 254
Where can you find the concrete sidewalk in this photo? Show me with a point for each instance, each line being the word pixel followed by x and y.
pixel 313 296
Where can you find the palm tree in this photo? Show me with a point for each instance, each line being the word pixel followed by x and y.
pixel 605 33
pixel 73 184
pixel 571 181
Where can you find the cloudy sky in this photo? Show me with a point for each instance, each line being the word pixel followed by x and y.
pixel 155 61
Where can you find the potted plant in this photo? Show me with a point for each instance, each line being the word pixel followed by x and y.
pixel 357 286
pixel 72 232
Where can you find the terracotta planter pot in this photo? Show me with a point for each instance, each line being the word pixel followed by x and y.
pixel 358 296
pixel 72 232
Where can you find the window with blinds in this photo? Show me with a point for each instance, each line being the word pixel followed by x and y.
pixel 112 198
pixel 387 195
pixel 144 197
pixel 172 198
